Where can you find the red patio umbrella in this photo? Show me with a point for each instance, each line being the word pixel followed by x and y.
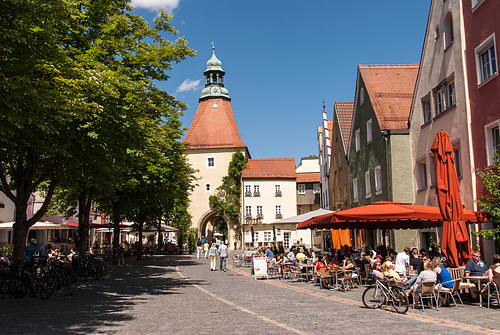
pixel 454 235
pixel 383 215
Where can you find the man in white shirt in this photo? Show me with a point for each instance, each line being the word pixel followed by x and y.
pixel 402 261
pixel 223 253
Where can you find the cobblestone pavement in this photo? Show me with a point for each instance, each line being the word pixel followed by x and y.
pixel 180 295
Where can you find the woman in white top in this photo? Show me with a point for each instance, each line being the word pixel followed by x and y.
pixel 427 275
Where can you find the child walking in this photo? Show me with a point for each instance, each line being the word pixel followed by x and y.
pixel 213 257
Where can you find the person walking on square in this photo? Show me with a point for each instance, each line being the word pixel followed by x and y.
pixel 213 257
pixel 206 248
pixel 222 251
pixel 199 248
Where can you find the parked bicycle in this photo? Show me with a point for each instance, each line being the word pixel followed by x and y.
pixel 383 293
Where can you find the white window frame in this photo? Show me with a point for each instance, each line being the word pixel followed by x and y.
pixel 316 188
pixel 490 139
pixel 439 96
pixel 256 189
pixel 451 99
pixel 215 105
pixel 268 236
pixel 378 180
pixel 448 33
pixel 277 188
pixel 210 159
pixel 248 210
pixel 208 187
pixel 256 236
pixel 259 210
pixel 301 188
pixel 476 3
pixel 421 173
pixel 369 131
pixel 487 45
pixel 432 169
pixel 278 210
pixel 248 189
pixel 358 139
pixel 368 184
pixel 426 108
pixel 355 191
pixel 458 158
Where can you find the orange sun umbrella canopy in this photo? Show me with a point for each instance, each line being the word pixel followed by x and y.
pixel 454 235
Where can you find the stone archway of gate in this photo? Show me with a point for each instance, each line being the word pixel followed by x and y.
pixel 206 224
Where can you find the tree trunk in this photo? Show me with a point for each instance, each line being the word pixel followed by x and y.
pixel 117 218
pixel 160 238
pixel 139 247
pixel 84 204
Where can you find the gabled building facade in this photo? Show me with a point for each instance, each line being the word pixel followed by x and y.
pixel 324 143
pixel 482 31
pixel 213 138
pixel 269 195
pixel 440 102
pixel 339 170
pixel 379 144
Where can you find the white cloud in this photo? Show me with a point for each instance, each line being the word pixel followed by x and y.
pixel 168 5
pixel 189 85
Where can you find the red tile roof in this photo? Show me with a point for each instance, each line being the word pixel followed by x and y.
pixel 390 89
pixel 308 177
pixel 345 111
pixel 270 168
pixel 214 128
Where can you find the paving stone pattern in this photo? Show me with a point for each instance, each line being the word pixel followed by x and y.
pixel 178 294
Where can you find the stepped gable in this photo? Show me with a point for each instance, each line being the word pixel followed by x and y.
pixel 270 168
pixel 214 127
pixel 345 111
pixel 390 89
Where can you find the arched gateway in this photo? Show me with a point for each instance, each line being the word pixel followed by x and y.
pixel 212 138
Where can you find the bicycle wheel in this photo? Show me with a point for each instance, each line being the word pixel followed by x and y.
pixel 373 297
pixel 100 271
pixel 48 285
pixel 16 286
pixel 400 300
pixel 67 286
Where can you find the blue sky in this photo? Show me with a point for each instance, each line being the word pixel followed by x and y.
pixel 282 57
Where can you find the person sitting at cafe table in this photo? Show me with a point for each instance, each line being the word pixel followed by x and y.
pixel 348 264
pixel 389 272
pixel 444 278
pixel 377 270
pixel 475 267
pixel 300 257
pixel 427 275
pixel 291 256
pixel 333 265
pixel 494 271
pixel 416 263
pixel 320 264
pixel 269 253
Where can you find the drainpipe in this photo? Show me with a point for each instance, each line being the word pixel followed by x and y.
pixel 386 135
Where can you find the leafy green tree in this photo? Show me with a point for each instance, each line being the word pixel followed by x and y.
pixel 37 101
pixel 490 202
pixel 227 200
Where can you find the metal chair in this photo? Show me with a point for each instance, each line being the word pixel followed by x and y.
pixel 237 261
pixel 427 292
pixel 493 293
pixel 287 271
pixel 324 275
pixel 296 272
pixel 454 291
pixel 346 280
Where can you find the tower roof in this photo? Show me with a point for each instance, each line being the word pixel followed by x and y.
pixel 214 126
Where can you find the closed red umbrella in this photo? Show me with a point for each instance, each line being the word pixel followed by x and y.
pixel 454 235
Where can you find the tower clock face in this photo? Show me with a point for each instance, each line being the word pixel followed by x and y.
pixel 215 90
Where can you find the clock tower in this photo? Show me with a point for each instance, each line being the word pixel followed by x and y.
pixel 214 80
pixel 212 139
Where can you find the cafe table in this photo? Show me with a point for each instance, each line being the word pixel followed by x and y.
pixel 307 269
pixel 478 279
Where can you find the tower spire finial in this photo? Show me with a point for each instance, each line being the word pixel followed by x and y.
pixel 323 102
pixel 213 47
